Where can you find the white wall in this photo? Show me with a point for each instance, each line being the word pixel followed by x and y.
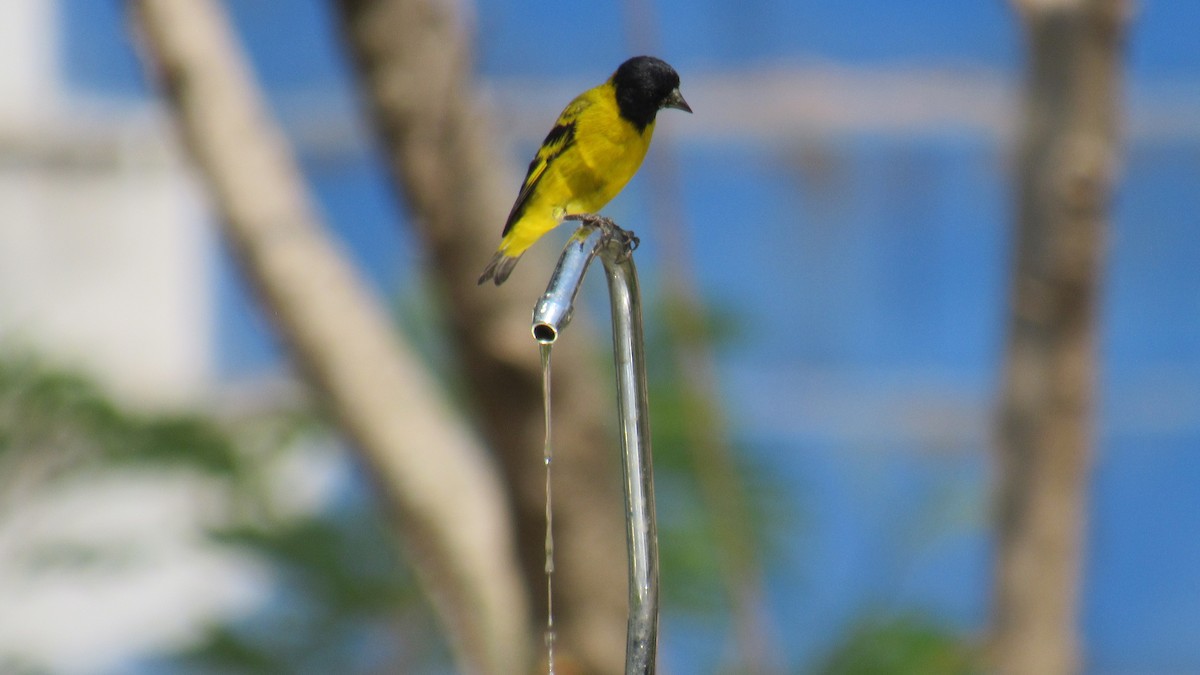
pixel 105 254
pixel 106 263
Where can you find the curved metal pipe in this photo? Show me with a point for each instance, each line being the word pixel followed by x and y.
pixel 553 310
pixel 550 316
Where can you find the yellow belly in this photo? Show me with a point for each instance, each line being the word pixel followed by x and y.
pixel 608 152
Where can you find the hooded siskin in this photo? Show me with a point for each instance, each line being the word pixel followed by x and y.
pixel 595 147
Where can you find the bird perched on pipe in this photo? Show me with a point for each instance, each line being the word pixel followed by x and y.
pixel 595 147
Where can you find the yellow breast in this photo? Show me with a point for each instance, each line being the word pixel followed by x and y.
pixel 610 151
pixel 605 153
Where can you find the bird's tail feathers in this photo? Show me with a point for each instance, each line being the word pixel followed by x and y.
pixel 499 268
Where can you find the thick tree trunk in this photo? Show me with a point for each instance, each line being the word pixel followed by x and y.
pixel 414 59
pixel 1065 171
pixel 441 489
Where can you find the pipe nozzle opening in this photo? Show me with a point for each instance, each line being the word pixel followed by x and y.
pixel 544 333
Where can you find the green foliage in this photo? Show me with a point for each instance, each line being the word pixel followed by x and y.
pixel 340 598
pixel 72 424
pixel 693 482
pixel 17 666
pixel 905 645
pixel 708 327
pixel 340 594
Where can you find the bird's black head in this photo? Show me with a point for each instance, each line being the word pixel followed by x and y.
pixel 645 85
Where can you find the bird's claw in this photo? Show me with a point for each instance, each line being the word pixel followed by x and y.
pixel 610 231
pixel 629 244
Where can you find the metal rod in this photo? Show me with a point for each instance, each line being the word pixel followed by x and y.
pixel 550 316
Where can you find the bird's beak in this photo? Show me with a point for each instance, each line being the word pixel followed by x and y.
pixel 675 100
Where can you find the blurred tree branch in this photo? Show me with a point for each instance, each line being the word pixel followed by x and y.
pixel 415 63
pixel 438 484
pixel 1065 171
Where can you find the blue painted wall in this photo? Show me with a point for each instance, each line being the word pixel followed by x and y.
pixel 871 390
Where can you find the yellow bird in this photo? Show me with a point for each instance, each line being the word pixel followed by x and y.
pixel 595 147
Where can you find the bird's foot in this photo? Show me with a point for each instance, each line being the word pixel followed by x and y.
pixel 610 231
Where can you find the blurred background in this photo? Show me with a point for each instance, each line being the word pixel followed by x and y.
pixel 836 221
